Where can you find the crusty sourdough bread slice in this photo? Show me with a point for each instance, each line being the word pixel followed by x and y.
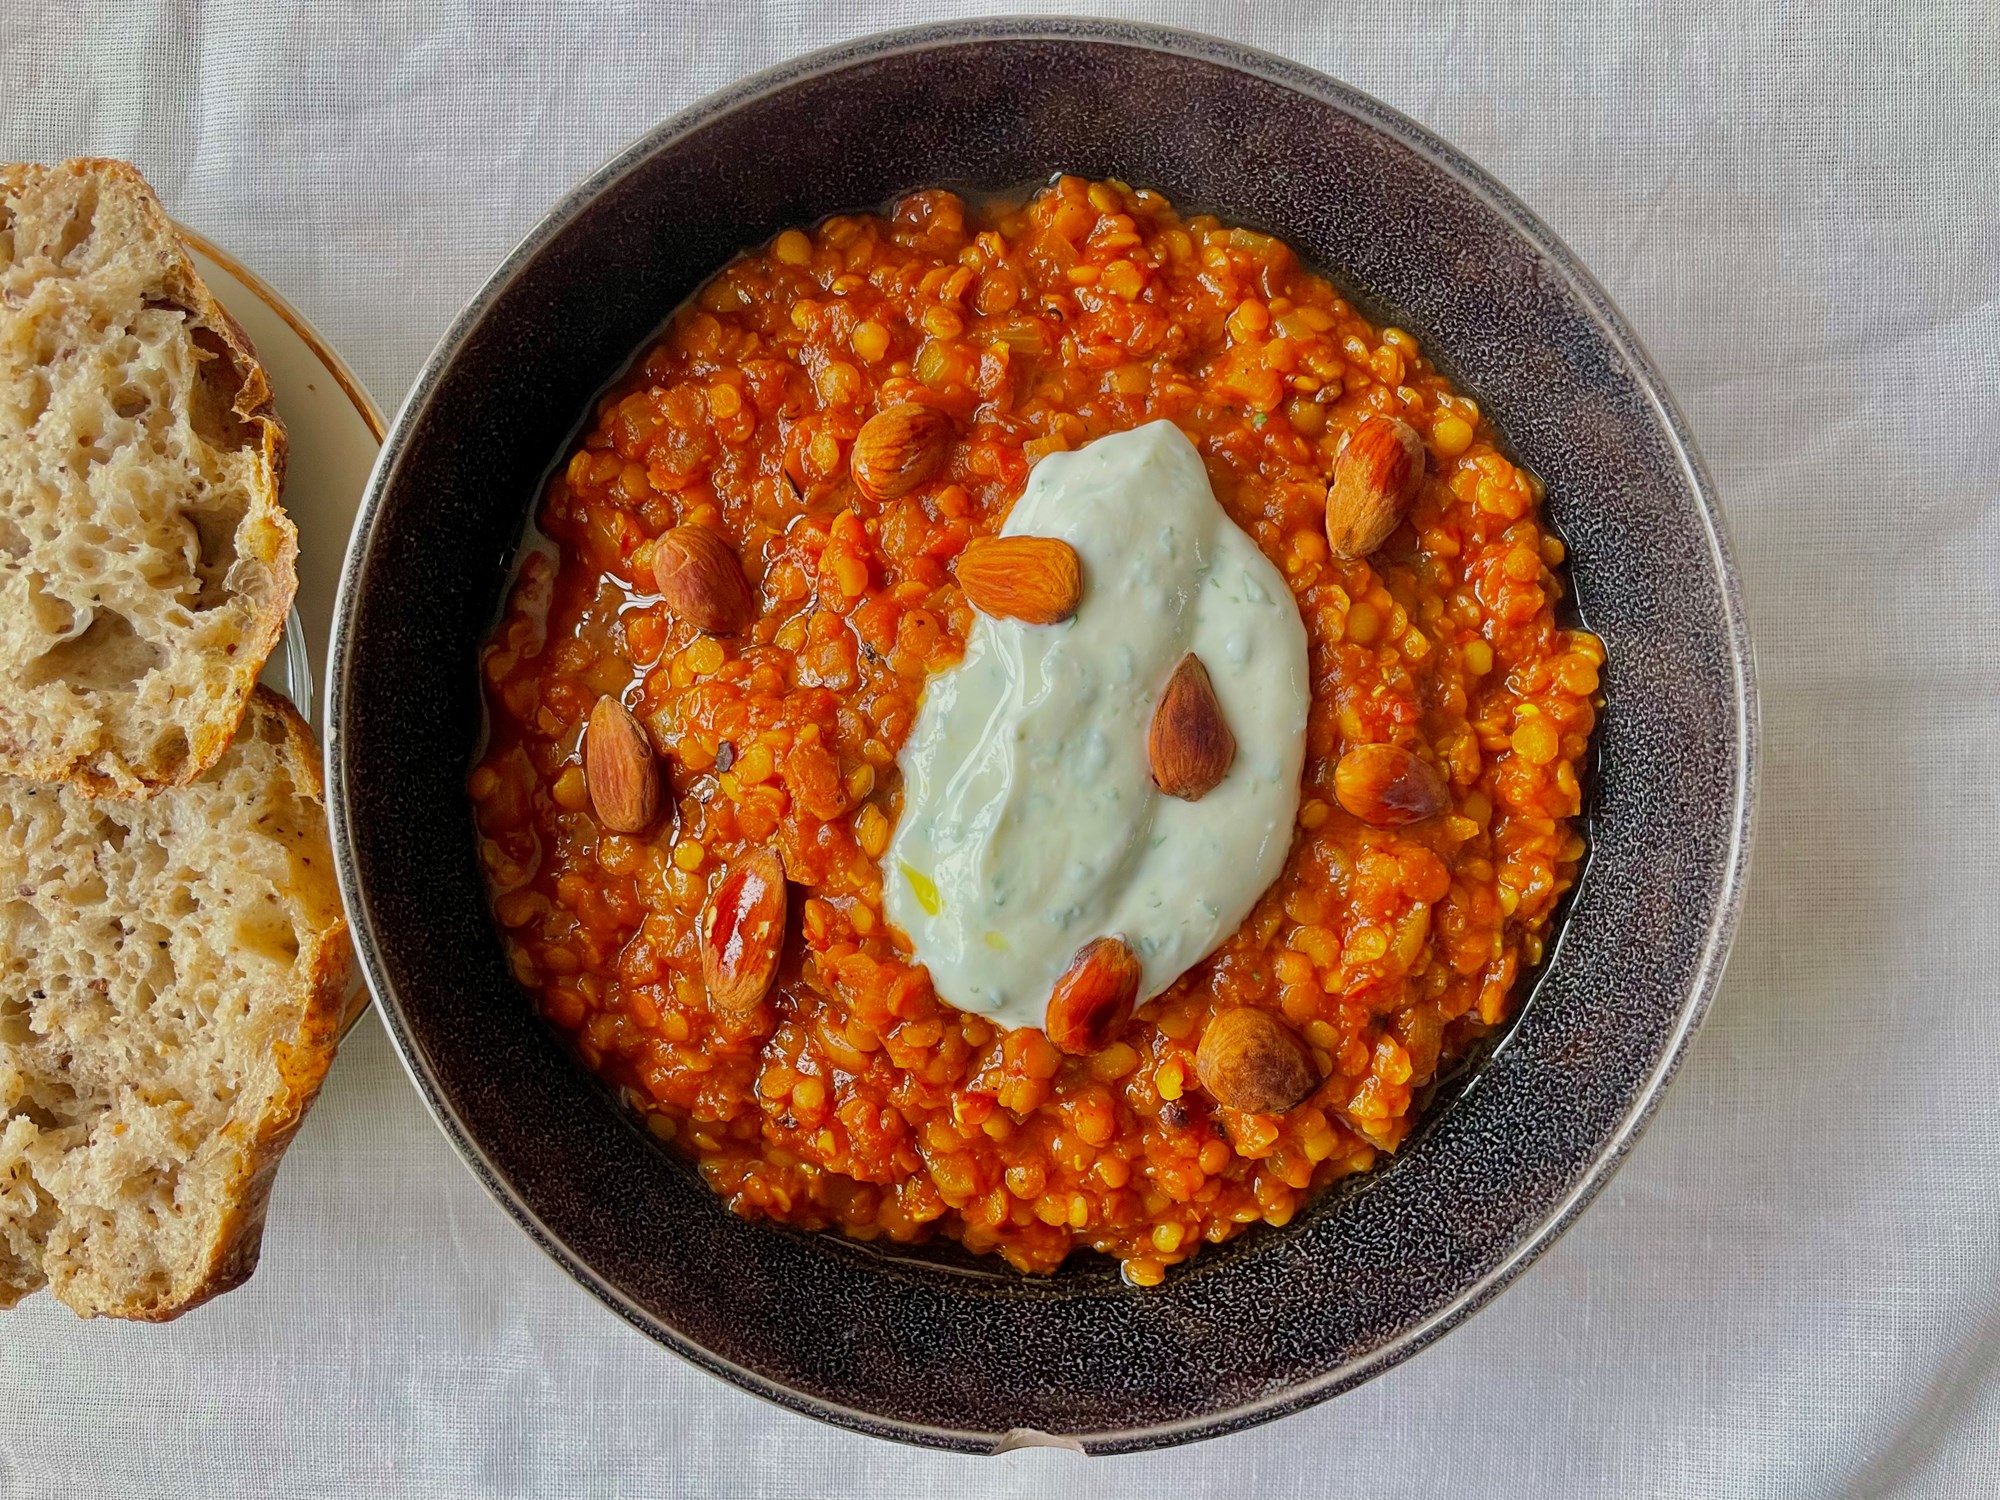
pixel 171 980
pixel 145 564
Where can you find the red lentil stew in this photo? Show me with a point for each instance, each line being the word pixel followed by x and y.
pixel 818 1079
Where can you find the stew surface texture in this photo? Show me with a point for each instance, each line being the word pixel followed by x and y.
pixel 848 1094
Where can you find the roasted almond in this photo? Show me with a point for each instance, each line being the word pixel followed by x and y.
pixel 1374 480
pixel 1035 579
pixel 1190 744
pixel 743 933
pixel 701 579
pixel 1250 1060
pixel 1389 786
pixel 1094 997
pixel 619 768
pixel 897 449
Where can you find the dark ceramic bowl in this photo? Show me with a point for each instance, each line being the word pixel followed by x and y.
pixel 925 1347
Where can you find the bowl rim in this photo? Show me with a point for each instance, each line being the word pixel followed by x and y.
pixel 1561 262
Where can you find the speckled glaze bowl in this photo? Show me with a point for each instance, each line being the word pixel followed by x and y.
pixel 931 1347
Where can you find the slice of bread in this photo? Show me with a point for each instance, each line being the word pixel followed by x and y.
pixel 172 973
pixel 145 564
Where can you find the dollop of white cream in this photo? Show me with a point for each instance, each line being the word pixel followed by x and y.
pixel 1030 822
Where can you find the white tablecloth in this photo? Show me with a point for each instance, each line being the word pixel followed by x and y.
pixel 1793 1288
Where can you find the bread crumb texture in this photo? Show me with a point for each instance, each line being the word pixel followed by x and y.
pixel 146 566
pixel 174 970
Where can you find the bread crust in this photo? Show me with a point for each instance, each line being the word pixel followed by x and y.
pixel 108 773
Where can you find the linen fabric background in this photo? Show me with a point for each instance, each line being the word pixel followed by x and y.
pixel 1792 1288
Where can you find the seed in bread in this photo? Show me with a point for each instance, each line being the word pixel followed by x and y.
pixel 145 564
pixel 171 980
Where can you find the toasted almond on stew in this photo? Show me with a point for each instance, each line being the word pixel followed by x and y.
pixel 701 579
pixel 743 933
pixel 1094 997
pixel 1389 786
pixel 1374 480
pixel 619 768
pixel 897 449
pixel 1035 579
pixel 1190 744
pixel 1250 1060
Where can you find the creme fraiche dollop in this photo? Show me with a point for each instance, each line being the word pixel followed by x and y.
pixel 1031 825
